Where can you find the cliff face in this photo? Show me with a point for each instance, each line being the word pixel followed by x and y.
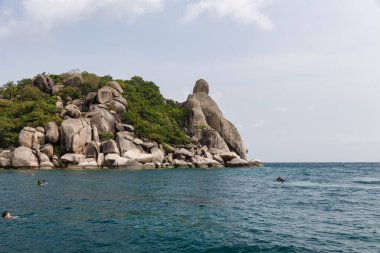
pixel 92 133
pixel 207 124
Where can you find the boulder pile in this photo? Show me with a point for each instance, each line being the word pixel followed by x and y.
pixel 77 143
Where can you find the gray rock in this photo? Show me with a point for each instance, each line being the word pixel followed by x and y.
pixel 119 127
pixel 30 138
pixel 91 98
pixel 109 147
pixel 6 154
pixel 52 133
pixel 116 86
pixel 95 134
pixel 101 159
pixel 138 141
pixel 180 164
pixel 46 165
pixel 72 111
pixel 92 150
pixel 55 161
pixel 42 157
pixel 59 105
pixel 158 155
pixel 103 118
pixel 125 162
pixel 72 159
pixel 227 156
pixel 5 162
pixel 128 128
pixel 47 149
pixel 74 80
pixel 111 158
pixel 80 104
pixel 122 101
pixel 55 89
pixel 104 95
pixel 237 162
pixel 126 145
pixel 201 86
pixel 183 152
pixel 40 129
pixel 135 154
pixel 43 82
pixel 24 157
pixel 145 158
pixel 117 106
pixel 148 145
pixel 75 134
pixel 218 159
pixel 89 164
pixel 206 121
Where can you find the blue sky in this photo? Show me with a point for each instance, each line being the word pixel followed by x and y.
pixel 299 78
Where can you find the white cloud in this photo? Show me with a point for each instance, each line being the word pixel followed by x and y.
pixel 46 14
pixel 244 11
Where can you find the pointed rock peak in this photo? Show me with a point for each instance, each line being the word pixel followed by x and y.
pixel 201 86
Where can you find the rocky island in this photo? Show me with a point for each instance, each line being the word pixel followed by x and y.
pixel 81 120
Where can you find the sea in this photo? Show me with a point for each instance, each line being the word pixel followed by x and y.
pixel 321 207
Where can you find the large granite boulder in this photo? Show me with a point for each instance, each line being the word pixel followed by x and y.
pixel 47 149
pixel 117 106
pixel 31 138
pixel 137 155
pixel 75 134
pixel 72 159
pixel 24 157
pixel 125 143
pixel 74 80
pixel 104 95
pixel 52 133
pixel 92 150
pixel 6 158
pixel 205 115
pixel 72 111
pixel 103 118
pixel 158 155
pixel 237 162
pixel 44 83
pixel 116 86
pixel 109 147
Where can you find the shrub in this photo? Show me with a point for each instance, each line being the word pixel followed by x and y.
pixel 105 136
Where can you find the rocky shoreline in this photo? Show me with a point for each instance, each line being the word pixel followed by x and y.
pixel 215 142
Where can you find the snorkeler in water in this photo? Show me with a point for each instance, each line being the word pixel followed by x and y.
pixel 6 215
pixel 41 183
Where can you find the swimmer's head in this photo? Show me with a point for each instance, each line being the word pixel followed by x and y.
pixel 6 215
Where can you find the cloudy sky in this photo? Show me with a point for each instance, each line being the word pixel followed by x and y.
pixel 299 78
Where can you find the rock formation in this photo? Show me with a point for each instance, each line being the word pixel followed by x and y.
pixel 78 142
pixel 208 125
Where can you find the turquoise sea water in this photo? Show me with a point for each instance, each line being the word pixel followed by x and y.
pixel 321 208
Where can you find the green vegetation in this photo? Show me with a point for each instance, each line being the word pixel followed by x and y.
pixel 200 127
pixel 22 104
pixel 105 136
pixel 153 116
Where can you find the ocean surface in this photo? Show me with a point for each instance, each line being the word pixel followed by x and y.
pixel 320 208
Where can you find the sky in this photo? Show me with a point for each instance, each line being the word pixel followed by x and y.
pixel 299 78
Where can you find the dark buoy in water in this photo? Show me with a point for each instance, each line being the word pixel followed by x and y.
pixel 280 179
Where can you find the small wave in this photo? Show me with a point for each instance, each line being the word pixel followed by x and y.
pixel 367 180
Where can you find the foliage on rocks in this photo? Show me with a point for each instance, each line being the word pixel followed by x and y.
pixel 154 117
